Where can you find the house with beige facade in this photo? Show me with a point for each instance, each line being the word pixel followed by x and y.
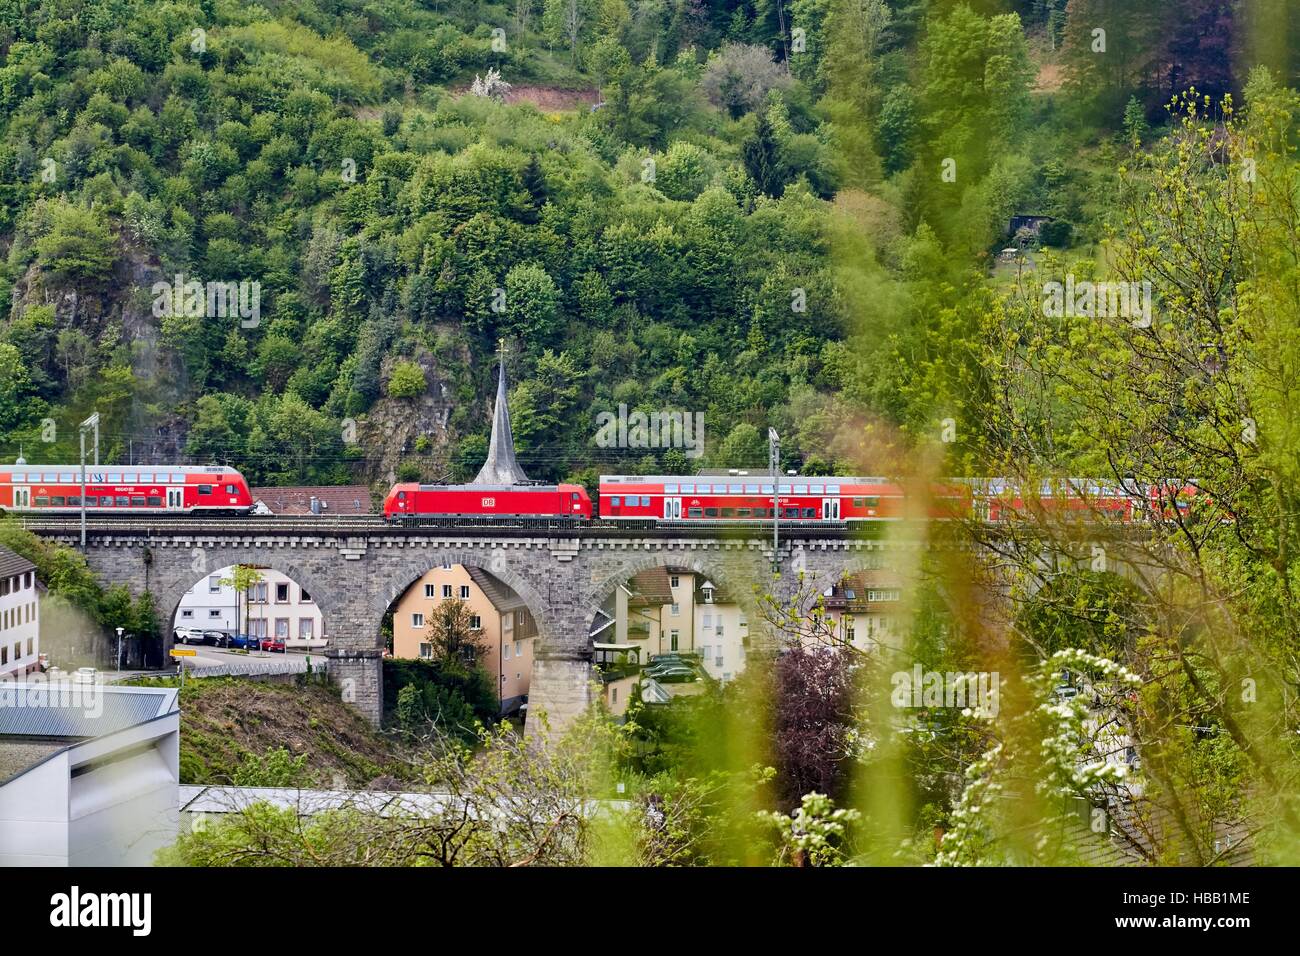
pixel 503 624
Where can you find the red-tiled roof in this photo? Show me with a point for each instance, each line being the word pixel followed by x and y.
pixel 335 499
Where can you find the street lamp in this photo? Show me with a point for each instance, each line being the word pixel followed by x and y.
pixel 90 423
pixel 774 465
pixel 119 647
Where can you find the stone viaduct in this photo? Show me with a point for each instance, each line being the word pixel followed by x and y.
pixel 355 573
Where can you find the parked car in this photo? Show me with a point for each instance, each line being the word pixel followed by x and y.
pixel 243 642
pixel 216 638
pixel 273 644
pixel 189 635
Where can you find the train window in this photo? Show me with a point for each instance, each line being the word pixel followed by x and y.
pixel 613 502
pixel 785 489
pixel 742 512
pixel 728 512
pixel 872 501
pixel 75 501
pixel 832 489
pixel 42 502
pixel 645 501
pixel 789 512
pixel 122 501
pixel 573 495
pixel 67 477
pixel 817 490
pixel 703 489
pixel 92 501
pixel 401 496
pixel 50 476
pixel 58 501
pixel 801 489
pixel 688 489
pixel 751 489
pixel 767 489
pixel 104 502
pixel 710 512
pixel 810 512
pixel 146 477
pixel 130 478
pixel 154 501
pixel 859 502
pixel 230 489
pixel 735 489
pixel 137 501
pixel 694 513
pixel 113 477
pixel 205 489
pixel 670 489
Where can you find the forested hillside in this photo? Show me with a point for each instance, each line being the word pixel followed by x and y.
pixel 774 213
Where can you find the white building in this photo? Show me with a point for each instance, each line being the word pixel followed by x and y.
pixel 89 773
pixel 275 606
pixel 19 616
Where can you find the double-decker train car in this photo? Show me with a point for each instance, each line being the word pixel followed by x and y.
pixel 124 489
pixel 742 497
pixel 487 501
pixel 1001 500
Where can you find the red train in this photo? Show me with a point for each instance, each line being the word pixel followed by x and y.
pixel 516 501
pixel 747 497
pixel 117 489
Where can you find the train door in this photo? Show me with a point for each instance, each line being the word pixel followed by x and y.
pixel 22 497
pixel 672 509
pixel 830 509
pixel 175 499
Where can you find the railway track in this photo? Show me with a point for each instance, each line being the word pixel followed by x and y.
pixel 367 525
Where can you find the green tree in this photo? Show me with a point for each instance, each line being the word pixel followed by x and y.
pixel 407 381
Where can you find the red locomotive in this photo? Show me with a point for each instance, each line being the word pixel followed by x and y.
pixel 118 489
pixel 514 501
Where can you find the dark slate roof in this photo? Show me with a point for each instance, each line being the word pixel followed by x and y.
pixel 651 587
pixel 79 711
pixel 501 467
pixel 11 563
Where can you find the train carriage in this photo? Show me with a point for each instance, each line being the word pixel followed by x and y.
pixel 124 489
pixel 742 497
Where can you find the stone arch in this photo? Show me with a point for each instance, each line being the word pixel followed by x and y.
pixel 419 562
pixel 170 588
pixel 737 581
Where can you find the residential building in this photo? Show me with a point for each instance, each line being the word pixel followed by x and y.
pixel 864 609
pixel 276 606
pixel 89 773
pixel 504 625
pixel 20 639
pixel 721 630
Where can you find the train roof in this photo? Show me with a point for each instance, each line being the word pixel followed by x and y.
pixel 750 477
pixel 76 466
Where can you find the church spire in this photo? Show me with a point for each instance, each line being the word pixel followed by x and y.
pixel 501 468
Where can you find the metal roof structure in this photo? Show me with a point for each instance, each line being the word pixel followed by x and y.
pixel 501 467
pixel 66 710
